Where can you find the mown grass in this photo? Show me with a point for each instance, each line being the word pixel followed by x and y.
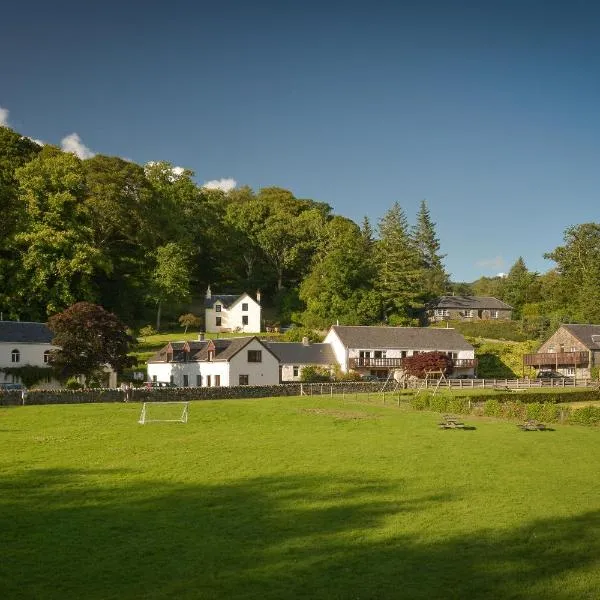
pixel 294 498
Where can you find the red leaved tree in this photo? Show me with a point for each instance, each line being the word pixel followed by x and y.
pixel 418 365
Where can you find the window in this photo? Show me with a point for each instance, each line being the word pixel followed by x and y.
pixel 154 378
pixel 570 371
pixel 254 356
pixel 46 357
pixel 441 312
pixel 245 307
pixel 208 381
pixel 186 381
pixel 217 308
pixel 494 314
pixel 550 349
pixel 243 380
pixel 217 380
pixel 244 319
pixel 198 380
pixel 172 379
pixel 379 353
pixel 468 313
pixel 573 349
pixel 16 356
pixel 218 321
pixel 296 370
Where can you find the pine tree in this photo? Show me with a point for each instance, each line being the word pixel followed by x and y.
pixel 435 279
pixel 399 269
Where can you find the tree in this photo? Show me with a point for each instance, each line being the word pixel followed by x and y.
pixel 418 365
pixel 520 287
pixel 578 264
pixel 435 278
pixel 171 278
pixel 399 269
pixel 189 320
pixel 89 338
pixel 339 286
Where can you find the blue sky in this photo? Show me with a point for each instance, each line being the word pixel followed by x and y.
pixel 486 109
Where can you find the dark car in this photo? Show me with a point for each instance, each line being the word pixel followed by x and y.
pixel 551 375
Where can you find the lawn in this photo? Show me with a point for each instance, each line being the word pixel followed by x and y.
pixel 312 497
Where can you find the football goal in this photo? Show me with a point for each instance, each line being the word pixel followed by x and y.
pixel 164 412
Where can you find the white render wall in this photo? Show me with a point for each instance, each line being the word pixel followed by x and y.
pixel 231 318
pixel 31 354
pixel 340 351
pixel 262 373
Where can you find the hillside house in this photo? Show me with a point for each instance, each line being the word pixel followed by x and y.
pixel 571 351
pixel 379 351
pixel 468 308
pixel 225 313
pixel 215 363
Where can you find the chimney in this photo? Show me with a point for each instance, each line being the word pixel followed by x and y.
pixel 208 293
pixel 200 337
pixel 305 341
pixel 258 296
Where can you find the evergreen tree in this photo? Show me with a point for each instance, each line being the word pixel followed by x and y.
pixel 399 268
pixel 435 279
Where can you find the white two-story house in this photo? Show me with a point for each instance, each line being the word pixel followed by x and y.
pixel 23 344
pixel 225 313
pixel 379 351
pixel 215 363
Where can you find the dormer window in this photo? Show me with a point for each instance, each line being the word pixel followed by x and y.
pixel 217 308
pixel 15 356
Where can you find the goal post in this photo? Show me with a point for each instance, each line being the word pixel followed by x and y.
pixel 164 412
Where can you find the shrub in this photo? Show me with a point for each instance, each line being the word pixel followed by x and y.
pixel 147 331
pixel 588 415
pixel 459 406
pixel 420 402
pixel 314 374
pixel 419 365
pixel 492 408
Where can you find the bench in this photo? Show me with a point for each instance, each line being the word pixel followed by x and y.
pixel 532 425
pixel 451 422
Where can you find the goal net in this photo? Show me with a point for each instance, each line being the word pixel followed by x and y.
pixel 164 412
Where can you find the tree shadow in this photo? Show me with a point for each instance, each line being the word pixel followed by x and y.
pixel 68 535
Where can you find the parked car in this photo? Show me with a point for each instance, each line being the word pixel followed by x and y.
pixel 552 375
pixel 159 384
pixel 9 387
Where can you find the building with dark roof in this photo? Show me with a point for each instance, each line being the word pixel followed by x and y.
pixel 468 308
pixel 23 344
pixel 294 356
pixel 573 350
pixel 215 363
pixel 378 351
pixel 224 313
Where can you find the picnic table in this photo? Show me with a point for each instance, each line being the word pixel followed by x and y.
pixel 532 425
pixel 451 422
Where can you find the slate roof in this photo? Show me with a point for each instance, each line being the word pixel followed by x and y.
pixel 471 302
pixel 22 332
pixel 225 349
pixel 225 299
pixel 406 338
pixel 297 353
pixel 584 334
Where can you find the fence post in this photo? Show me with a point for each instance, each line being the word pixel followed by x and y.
pixel 384 397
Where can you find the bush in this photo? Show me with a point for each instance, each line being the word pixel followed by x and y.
pixel 314 374
pixel 418 365
pixel 147 331
pixel 588 415
pixel 296 334
pixel 492 408
pixel 420 402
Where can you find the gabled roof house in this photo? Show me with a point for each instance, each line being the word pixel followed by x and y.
pixel 468 308
pixel 225 313
pixel 294 356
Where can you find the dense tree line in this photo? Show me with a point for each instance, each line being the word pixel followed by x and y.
pixel 144 241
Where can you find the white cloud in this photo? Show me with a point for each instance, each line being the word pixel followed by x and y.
pixel 226 185
pixel 3 117
pixel 72 143
pixel 495 263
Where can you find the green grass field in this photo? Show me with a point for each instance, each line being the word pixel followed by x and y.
pixel 311 498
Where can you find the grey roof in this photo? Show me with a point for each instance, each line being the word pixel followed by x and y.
pixel 296 353
pixel 225 299
pixel 584 334
pixel 23 332
pixel 418 338
pixel 225 349
pixel 474 302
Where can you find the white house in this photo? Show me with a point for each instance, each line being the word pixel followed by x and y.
pixel 215 363
pixel 293 357
pixel 228 312
pixel 23 344
pixel 379 350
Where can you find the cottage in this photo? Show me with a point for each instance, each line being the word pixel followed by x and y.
pixel 571 351
pixel 294 357
pixel 469 308
pixel 379 351
pixel 23 344
pixel 215 363
pixel 232 313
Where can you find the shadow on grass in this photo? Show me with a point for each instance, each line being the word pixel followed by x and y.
pixel 69 534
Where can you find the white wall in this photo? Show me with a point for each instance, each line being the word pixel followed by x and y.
pixel 31 354
pixel 262 373
pixel 231 318
pixel 340 351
